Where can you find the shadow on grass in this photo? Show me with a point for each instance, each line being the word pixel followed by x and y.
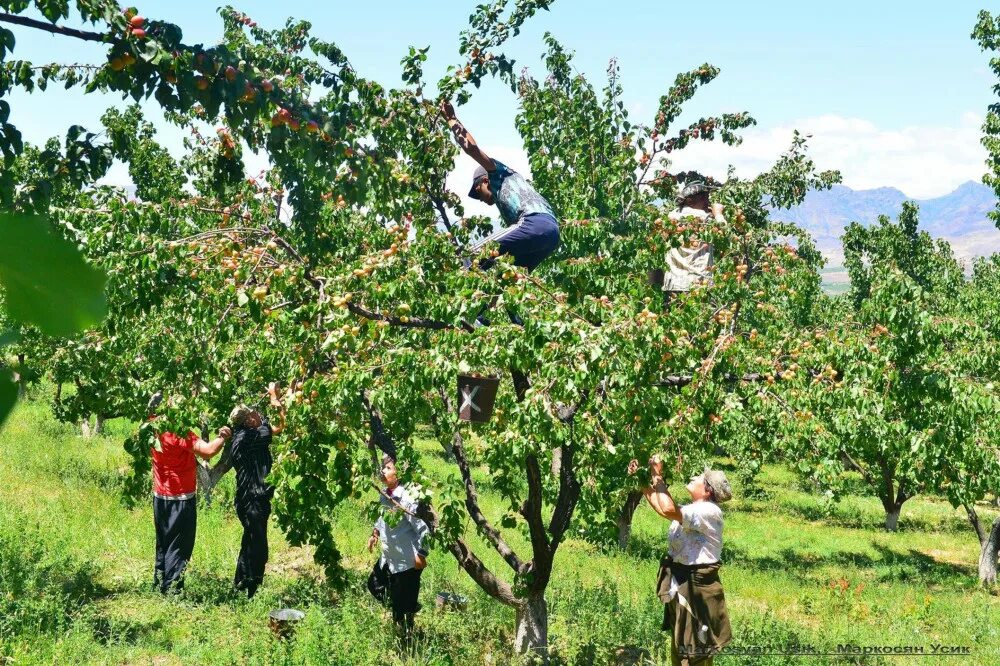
pixel 109 629
pixel 888 565
pixel 851 518
pixel 42 587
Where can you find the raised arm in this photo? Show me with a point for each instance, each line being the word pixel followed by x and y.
pixel 207 450
pixel 660 499
pixel 657 493
pixel 272 392
pixel 464 139
pixel 718 212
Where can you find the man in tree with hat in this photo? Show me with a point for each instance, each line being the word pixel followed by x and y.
pixel 531 230
pixel 252 461
pixel 692 264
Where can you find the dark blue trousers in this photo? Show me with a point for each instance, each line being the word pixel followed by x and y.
pixel 175 522
pixel 530 242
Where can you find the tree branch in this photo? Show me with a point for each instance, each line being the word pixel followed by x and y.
pixel 684 380
pixel 865 473
pixel 379 436
pixel 532 512
pixel 472 505
pixel 411 322
pixel 483 577
pixel 472 565
pixel 438 204
pixel 569 485
pixel 976 525
pixel 54 29
pixel 569 493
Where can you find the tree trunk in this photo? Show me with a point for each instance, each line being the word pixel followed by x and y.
pixel 205 483
pixel 22 384
pixel 892 517
pixel 625 517
pixel 532 632
pixel 209 476
pixel 988 551
pixel 99 424
pixel 448 446
pixel 892 501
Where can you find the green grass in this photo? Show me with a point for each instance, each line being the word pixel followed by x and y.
pixel 76 565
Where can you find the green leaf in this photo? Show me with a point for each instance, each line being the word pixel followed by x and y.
pixel 46 280
pixel 8 395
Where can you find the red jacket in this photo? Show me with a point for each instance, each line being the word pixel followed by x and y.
pixel 174 465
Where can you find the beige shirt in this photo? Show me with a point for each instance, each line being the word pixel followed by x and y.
pixel 698 538
pixel 688 266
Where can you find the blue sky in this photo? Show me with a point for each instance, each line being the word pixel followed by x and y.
pixel 893 92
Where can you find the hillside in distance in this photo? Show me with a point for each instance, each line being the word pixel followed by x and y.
pixel 959 217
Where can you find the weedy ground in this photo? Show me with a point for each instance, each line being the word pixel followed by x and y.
pixel 76 568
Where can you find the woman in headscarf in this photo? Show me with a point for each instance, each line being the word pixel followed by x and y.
pixel 688 582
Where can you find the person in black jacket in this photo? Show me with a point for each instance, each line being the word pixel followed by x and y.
pixel 252 460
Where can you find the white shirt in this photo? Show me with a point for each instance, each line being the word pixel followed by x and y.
pixel 687 266
pixel 400 543
pixel 698 538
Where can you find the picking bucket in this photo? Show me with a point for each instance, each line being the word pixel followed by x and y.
pixel 283 621
pixel 476 396
pixel 656 277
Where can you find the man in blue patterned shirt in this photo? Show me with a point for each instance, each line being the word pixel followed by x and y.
pixel 531 233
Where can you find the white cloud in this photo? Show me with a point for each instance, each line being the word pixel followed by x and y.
pixel 922 161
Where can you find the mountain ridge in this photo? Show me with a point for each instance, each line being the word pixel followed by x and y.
pixel 960 217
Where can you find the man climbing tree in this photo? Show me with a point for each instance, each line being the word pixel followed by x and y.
pixel 532 231
pixel 691 263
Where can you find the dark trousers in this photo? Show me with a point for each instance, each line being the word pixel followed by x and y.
pixel 175 522
pixel 404 592
pixel 401 590
pixel 530 242
pixel 253 514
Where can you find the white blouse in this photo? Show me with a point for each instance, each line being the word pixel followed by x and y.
pixel 698 538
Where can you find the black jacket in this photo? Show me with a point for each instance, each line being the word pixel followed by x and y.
pixel 252 461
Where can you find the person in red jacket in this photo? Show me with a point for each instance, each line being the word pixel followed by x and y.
pixel 175 503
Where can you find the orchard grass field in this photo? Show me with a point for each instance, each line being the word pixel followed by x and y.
pixel 76 562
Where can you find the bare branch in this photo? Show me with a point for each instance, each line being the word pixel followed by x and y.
pixel 483 577
pixel 472 504
pixel 411 322
pixel 472 565
pixel 54 29
pixel 532 512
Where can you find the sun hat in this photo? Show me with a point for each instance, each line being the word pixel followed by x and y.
pixel 691 183
pixel 718 484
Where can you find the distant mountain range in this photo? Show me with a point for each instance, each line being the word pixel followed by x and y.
pixel 959 217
